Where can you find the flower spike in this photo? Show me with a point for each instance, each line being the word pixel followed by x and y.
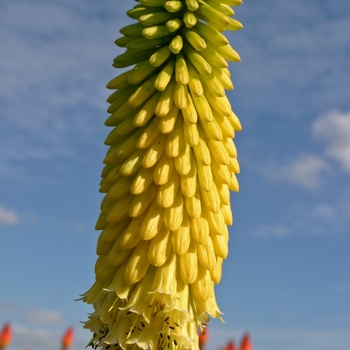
pixel 5 336
pixel 167 178
pixel 246 343
pixel 68 338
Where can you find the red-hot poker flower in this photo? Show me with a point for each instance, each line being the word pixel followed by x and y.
pixel 68 338
pixel 167 178
pixel 5 336
pixel 246 343
pixel 203 337
pixel 230 345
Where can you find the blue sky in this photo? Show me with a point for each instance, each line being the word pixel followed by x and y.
pixel 286 279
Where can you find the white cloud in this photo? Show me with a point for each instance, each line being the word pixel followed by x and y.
pixel 320 219
pixel 272 231
pixel 28 337
pixel 308 169
pixel 305 170
pixel 323 212
pixel 40 339
pixel 55 62
pixel 8 217
pixel 334 129
pixel 43 317
pixel 300 58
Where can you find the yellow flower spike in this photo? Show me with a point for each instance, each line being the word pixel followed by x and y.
pixel 167 178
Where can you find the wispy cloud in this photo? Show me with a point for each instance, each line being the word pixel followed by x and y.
pixel 40 338
pixel 305 170
pixel 272 231
pixel 333 129
pixel 43 317
pixel 301 219
pixel 53 70
pixel 8 217
pixel 308 169
pixel 39 328
pixel 303 60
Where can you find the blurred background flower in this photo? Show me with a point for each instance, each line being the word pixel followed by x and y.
pixel 68 338
pixel 5 336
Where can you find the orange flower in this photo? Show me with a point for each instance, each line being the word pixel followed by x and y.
pixel 67 339
pixel 203 337
pixel 5 336
pixel 246 343
pixel 230 345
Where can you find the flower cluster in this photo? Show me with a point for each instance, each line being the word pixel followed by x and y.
pixel 167 177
